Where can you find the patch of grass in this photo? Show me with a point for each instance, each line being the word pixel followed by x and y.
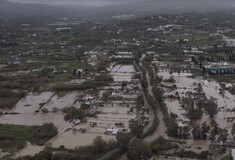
pixel 61 77
pixel 14 137
pixel 90 84
pixel 45 87
pixel 8 103
pixel 44 110
pixel 228 157
pixel 69 65
pixel 192 154
pixel 61 94
pixel 161 144
pixel 9 98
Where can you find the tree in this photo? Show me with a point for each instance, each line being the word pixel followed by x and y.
pixel 196 132
pixel 212 135
pixel 233 131
pixel 186 132
pixel 99 145
pixel 199 88
pixel 195 113
pixel 139 150
pixel 144 83
pixel 140 100
pixel 136 128
pixel 123 139
pixel 223 136
pixel 44 155
pixel 214 131
pixel 172 129
pixel 211 107
pixel 204 130
pixel 158 93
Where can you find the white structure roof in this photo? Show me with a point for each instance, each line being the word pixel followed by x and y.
pixel 233 153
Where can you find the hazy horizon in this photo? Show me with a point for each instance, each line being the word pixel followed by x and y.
pixel 115 2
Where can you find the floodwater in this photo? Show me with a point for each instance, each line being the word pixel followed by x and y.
pixel 113 113
pixel 36 119
pixel 121 73
pixel 186 83
pixel 63 102
pixel 31 102
pixel 29 150
pixel 26 108
pixel 174 107
pixel 109 116
pixel 71 140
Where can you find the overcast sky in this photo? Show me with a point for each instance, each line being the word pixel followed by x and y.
pixel 78 2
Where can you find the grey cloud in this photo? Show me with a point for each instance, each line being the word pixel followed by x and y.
pixel 78 2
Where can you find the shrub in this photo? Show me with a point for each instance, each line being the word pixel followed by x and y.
pixel 54 109
pixel 104 78
pixel 8 103
pixel 73 113
pixel 44 133
pixel 84 86
pixel 161 144
pixel 44 110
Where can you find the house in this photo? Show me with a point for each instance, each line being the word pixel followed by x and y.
pixel 182 122
pixel 64 29
pixel 76 121
pixel 49 71
pixel 219 69
pixel 93 57
pixel 14 61
pixel 193 50
pixel 113 131
pixel 91 110
pixel 123 56
pixel 89 100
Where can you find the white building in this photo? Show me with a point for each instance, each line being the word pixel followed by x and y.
pixel 113 131
pixel 233 153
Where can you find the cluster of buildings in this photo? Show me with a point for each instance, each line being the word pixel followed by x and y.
pixel 123 57
pixel 219 69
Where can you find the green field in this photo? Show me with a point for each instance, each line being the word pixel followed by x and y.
pixel 15 137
